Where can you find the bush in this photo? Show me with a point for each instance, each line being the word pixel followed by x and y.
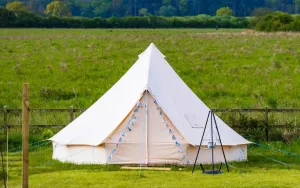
pixel 47 134
pixel 293 26
pixel 159 22
pixel 250 128
pixel 26 19
pixel 276 21
pixel 15 139
pixel 7 18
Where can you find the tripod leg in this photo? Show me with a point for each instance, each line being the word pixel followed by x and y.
pixel 212 140
pixel 209 113
pixel 220 167
pixel 202 168
pixel 220 142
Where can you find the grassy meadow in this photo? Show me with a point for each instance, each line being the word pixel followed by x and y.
pixel 74 67
pixel 225 68
pixel 256 172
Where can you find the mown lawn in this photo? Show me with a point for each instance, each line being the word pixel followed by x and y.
pixel 225 68
pixel 258 171
pixel 84 178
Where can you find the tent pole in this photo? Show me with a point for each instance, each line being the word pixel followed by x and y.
pixel 146 123
pixel 221 142
pixel 212 140
pixel 201 142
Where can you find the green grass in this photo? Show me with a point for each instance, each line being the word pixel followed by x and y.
pixel 226 68
pixel 256 172
pixel 75 178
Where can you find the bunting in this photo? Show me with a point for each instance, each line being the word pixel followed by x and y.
pixel 131 124
pixel 128 128
pixel 171 132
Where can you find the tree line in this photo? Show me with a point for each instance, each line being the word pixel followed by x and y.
pixel 23 19
pixel 122 8
pixel 263 20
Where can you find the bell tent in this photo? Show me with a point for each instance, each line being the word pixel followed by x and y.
pixel 150 116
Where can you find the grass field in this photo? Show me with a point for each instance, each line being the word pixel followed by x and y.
pixel 257 172
pixel 225 68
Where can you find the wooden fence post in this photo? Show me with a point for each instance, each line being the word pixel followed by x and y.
pixel 267 123
pixel 71 113
pixel 5 120
pixel 5 117
pixel 5 126
pixel 25 134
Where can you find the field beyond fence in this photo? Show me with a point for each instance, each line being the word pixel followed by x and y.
pixel 245 121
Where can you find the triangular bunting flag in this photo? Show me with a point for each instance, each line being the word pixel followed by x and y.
pixel 128 128
pixel 173 137
pixel 131 122
pixel 180 150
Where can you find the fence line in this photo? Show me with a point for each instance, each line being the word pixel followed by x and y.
pixel 215 110
pixel 72 112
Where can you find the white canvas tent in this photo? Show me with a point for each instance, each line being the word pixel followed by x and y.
pixel 150 116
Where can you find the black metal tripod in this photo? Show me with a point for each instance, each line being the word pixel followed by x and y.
pixel 213 171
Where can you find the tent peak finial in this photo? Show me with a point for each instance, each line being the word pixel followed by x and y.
pixel 152 50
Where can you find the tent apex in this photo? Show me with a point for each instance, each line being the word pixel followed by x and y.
pixel 151 51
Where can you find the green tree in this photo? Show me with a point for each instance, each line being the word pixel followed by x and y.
pixel 86 10
pixel 57 8
pixel 102 7
pixel 167 2
pixel 224 11
pixel 16 6
pixel 143 12
pixel 261 11
pixel 183 7
pixel 273 4
pixel 297 6
pixel 167 11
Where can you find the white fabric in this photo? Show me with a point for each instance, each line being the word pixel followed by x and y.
pixel 99 154
pixel 232 153
pixel 153 139
pixel 151 72
pixel 79 154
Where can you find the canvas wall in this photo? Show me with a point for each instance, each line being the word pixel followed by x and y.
pixel 149 141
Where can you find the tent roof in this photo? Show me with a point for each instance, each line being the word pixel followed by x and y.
pixel 153 73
